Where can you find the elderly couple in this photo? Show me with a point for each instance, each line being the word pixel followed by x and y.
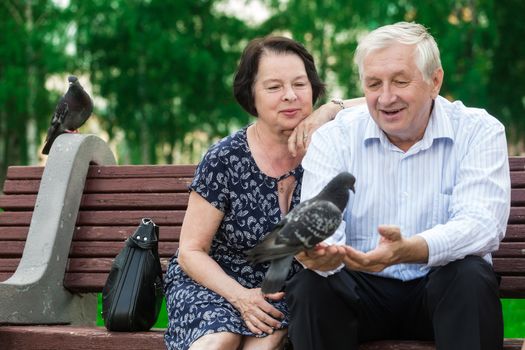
pixel 411 259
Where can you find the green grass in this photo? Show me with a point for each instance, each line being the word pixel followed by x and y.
pixel 162 321
pixel 513 315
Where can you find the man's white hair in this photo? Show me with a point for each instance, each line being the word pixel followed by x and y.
pixel 426 50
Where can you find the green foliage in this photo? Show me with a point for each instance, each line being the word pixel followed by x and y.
pixel 164 68
pixel 30 51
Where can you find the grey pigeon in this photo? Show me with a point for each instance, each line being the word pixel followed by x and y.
pixel 311 222
pixel 73 109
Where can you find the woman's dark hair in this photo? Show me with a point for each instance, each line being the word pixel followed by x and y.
pixel 249 65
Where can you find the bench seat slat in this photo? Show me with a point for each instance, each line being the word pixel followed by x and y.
pixel 95 338
pixel 74 337
pixel 510 344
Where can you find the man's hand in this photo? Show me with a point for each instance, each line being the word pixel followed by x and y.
pixel 392 249
pixel 323 257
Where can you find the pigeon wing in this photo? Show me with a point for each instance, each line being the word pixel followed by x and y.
pixel 312 224
pixel 57 125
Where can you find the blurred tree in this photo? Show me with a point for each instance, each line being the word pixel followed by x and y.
pixel 165 68
pixel 31 49
pixel 506 84
pixel 462 28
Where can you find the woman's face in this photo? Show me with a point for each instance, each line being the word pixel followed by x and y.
pixel 282 91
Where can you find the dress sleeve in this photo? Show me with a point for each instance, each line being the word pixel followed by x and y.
pixel 211 180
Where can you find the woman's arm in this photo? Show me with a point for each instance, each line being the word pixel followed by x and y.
pixel 200 225
pixel 302 134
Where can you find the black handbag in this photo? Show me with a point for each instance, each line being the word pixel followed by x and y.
pixel 132 296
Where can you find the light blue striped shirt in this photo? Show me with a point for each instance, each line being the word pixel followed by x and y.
pixel 452 187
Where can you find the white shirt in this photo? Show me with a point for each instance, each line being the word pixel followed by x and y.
pixel 452 187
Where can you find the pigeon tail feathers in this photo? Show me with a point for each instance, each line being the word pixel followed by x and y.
pixel 276 275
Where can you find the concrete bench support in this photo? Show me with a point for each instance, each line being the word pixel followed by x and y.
pixel 35 294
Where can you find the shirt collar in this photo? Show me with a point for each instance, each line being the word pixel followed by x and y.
pixel 439 127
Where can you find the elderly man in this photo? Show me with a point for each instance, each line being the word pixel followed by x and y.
pixel 412 257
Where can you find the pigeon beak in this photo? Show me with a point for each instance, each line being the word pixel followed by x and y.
pixel 352 189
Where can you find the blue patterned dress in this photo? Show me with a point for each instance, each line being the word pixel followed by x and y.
pixel 229 179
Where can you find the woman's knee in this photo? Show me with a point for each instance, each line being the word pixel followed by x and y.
pixel 217 341
pixel 275 341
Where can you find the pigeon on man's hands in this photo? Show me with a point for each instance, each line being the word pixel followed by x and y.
pixel 308 224
pixel 73 109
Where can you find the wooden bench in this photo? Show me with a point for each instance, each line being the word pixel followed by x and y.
pixel 111 202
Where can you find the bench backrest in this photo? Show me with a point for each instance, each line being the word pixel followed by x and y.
pixel 117 197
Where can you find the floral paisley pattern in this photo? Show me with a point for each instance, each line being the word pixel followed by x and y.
pixel 229 179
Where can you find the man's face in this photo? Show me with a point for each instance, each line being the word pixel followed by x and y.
pixel 398 98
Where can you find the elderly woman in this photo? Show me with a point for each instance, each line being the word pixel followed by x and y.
pixel 242 188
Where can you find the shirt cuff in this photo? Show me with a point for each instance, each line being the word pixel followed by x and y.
pixel 438 246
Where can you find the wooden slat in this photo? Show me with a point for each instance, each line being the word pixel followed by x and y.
pixel 4 276
pixel 9 265
pixel 134 201
pixel 129 185
pixel 103 218
pixel 509 266
pixel 514 233
pixel 129 217
pixel 96 265
pixel 11 249
pixel 21 186
pixel 97 338
pixel 14 233
pixel 517 179
pixel 510 344
pixel 111 249
pixel 510 250
pixel 101 201
pixel 115 233
pixel 512 287
pixel 93 233
pixel 137 185
pixel 19 172
pixel 82 282
pixel 11 218
pixel 517 197
pixel 517 215
pixel 517 163
pixel 76 337
pixel 110 171
pixel 150 171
